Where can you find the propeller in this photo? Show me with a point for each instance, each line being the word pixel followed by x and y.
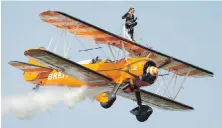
pixel 152 70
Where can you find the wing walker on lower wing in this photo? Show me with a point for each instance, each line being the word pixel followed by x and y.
pixel 140 67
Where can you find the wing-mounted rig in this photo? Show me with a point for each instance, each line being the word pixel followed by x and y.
pixel 120 74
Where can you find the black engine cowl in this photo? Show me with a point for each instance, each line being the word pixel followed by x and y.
pixel 147 77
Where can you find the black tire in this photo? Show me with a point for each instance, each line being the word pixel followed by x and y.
pixel 109 103
pixel 144 117
pixel 106 105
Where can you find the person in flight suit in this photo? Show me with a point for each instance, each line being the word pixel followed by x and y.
pixel 130 22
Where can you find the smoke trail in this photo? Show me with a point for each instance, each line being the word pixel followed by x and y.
pixel 27 106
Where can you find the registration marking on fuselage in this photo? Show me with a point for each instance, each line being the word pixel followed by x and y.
pixel 56 75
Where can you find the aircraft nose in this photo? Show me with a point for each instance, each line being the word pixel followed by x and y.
pixel 153 70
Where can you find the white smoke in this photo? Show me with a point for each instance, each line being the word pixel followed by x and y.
pixel 27 106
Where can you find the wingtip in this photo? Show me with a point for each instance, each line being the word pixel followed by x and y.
pixel 12 62
pixel 212 74
pixel 33 49
pixel 189 109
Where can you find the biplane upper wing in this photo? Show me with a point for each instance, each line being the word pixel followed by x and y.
pixel 98 35
pixel 68 67
pixel 157 101
pixel 29 67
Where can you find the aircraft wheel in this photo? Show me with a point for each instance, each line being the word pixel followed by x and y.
pixel 109 103
pixel 142 113
pixel 143 118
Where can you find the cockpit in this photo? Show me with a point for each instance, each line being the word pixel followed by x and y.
pixel 95 60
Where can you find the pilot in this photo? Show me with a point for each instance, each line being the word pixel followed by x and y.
pixel 96 60
pixel 130 22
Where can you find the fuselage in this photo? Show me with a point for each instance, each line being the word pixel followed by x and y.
pixel 119 71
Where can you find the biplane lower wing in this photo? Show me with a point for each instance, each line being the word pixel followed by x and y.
pixel 100 36
pixel 68 67
pixel 157 101
pixel 29 67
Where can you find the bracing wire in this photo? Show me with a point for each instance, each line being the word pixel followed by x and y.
pixel 83 46
pixel 74 36
pixel 65 25
pixel 166 91
pixel 58 41
pixel 101 48
pixel 117 52
pixel 98 45
pixel 118 55
pixel 103 51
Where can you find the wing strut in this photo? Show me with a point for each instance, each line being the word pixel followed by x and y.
pixel 176 89
pixel 50 43
pixel 124 51
pixel 181 86
pixel 76 30
pixel 111 52
pixel 65 37
pixel 58 41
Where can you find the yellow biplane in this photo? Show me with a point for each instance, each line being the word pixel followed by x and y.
pixel 124 77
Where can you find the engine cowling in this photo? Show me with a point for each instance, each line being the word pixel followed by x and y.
pixel 147 73
pixel 150 72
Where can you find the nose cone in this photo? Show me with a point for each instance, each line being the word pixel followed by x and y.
pixel 153 70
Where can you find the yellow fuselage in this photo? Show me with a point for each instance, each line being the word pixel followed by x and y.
pixel 119 71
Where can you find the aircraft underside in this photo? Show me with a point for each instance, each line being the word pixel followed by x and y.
pixel 142 112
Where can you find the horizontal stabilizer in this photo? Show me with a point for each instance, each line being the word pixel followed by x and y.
pixel 29 67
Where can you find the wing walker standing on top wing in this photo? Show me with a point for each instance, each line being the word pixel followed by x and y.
pixel 123 77
pixel 130 22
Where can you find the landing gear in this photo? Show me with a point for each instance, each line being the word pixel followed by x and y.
pixel 36 88
pixel 142 112
pixel 107 99
pixel 109 103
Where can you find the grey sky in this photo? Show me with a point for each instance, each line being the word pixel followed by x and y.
pixel 191 31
